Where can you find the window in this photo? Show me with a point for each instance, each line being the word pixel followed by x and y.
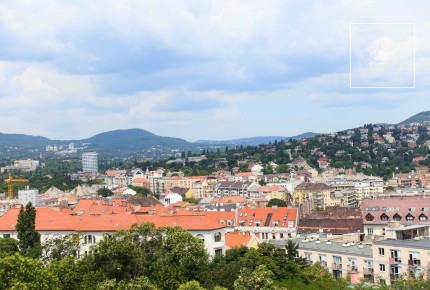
pixel 412 209
pixel 308 256
pixel 273 236
pixel 381 251
pixel 370 231
pixel 258 223
pixel 423 217
pixel 89 239
pixel 217 237
pixel 218 252
pixel 201 237
pixel 397 217
pixel 425 209
pixel 384 217
pixel 369 217
pixel 5 236
pixel 381 267
pixel 275 223
pixel 410 217
pixel 290 224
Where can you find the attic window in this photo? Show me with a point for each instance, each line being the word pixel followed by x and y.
pixel 384 217
pixel 410 218
pixel 423 217
pixel 370 217
pixel 397 217
pixel 240 214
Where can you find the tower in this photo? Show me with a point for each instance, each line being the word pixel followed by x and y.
pixel 89 162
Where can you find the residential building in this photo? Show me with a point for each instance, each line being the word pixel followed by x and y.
pixel 408 211
pixel 339 257
pixel 318 194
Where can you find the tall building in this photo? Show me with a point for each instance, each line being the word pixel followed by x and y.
pixel 89 162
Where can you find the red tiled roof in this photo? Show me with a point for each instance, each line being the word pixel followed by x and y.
pixel 237 240
pixel 140 180
pixel 245 174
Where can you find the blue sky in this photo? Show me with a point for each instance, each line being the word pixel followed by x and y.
pixel 200 69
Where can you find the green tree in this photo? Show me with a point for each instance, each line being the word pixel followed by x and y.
pixel 8 246
pixel 181 256
pixel 260 278
pixel 60 248
pixel 191 285
pixel 105 192
pixel 191 200
pixel 18 272
pixel 277 202
pixel 29 238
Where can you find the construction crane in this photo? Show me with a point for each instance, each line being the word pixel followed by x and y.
pixel 10 182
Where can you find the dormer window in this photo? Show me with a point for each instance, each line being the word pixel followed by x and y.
pixel 410 218
pixel 397 217
pixel 423 218
pixel 384 217
pixel 370 217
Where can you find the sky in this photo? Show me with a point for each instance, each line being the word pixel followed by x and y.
pixel 211 69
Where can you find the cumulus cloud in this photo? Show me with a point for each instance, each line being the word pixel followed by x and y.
pixel 192 69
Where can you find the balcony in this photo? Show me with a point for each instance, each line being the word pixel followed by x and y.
pixel 367 271
pixel 394 277
pixel 323 264
pixel 394 260
pixel 336 266
pixel 351 268
pixel 414 262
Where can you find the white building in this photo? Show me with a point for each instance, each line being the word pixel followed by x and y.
pixel 89 162
pixel 28 195
pixel 26 165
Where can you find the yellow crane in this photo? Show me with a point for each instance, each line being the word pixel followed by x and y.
pixel 10 182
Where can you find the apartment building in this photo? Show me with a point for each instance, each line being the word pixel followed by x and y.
pixel 339 257
pixel 319 194
pixel 407 211
pixel 392 258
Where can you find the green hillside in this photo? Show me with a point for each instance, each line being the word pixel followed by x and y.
pixel 418 118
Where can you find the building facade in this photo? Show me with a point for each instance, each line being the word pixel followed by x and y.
pixel 90 162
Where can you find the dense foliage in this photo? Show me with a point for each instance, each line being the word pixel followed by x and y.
pixel 146 257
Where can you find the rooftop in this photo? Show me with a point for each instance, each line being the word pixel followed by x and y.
pixel 416 244
pixel 334 247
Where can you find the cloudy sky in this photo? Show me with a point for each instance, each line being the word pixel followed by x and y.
pixel 210 69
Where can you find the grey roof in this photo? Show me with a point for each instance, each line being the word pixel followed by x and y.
pixel 415 244
pixel 334 247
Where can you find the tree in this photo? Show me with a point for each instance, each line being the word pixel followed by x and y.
pixel 277 202
pixel 29 238
pixel 8 246
pixel 260 278
pixel 18 272
pixel 191 200
pixel 60 248
pixel 105 192
pixel 181 256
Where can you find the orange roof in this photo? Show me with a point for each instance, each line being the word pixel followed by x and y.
pixel 237 240
pixel 46 219
pixel 52 220
pixel 271 188
pixel 140 180
pixel 262 215
pixel 111 173
pixel 245 174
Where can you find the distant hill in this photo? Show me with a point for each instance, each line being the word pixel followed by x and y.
pixel 134 140
pixel 252 141
pixel 418 118
pixel 22 140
